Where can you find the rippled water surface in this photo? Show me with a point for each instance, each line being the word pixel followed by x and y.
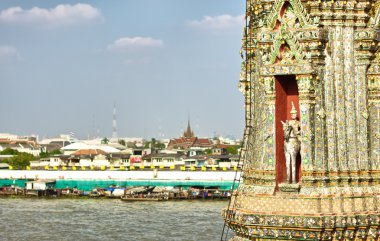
pixel 108 219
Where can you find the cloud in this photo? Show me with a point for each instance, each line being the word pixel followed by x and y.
pixel 136 50
pixel 218 23
pixel 7 51
pixel 129 43
pixel 61 15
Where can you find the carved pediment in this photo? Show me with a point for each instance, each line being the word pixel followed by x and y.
pixel 290 13
pixel 286 18
pixel 285 49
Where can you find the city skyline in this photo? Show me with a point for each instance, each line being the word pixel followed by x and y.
pixel 65 64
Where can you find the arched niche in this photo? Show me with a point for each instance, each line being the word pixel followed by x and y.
pixel 286 90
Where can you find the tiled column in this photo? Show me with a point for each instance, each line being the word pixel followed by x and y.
pixel 350 96
pixel 270 143
pixel 329 100
pixel 374 116
pixel 320 126
pixel 340 108
pixel 307 109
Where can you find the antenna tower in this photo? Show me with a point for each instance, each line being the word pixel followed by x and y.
pixel 114 132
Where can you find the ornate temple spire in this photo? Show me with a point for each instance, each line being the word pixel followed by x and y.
pixel 306 56
pixel 188 133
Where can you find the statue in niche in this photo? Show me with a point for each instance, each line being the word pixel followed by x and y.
pixel 292 144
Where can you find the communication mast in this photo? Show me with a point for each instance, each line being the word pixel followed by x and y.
pixel 114 132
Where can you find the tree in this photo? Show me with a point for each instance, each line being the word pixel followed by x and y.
pixel 44 154
pixel 154 144
pixel 55 152
pixel 20 161
pixel 160 145
pixel 233 150
pixel 147 144
pixel 122 142
pixel 9 151
pixel 48 154
pixel 105 140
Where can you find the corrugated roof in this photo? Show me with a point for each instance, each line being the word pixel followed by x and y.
pixel 79 146
pixel 86 152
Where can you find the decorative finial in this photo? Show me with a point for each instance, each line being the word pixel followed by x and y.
pixel 293 110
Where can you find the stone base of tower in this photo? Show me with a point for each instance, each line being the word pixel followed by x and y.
pixel 293 219
pixel 328 210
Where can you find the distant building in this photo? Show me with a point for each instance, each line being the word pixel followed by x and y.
pixel 52 144
pixel 227 161
pixel 162 160
pixel 4 166
pixel 69 149
pixel 87 158
pixel 189 140
pixel 27 144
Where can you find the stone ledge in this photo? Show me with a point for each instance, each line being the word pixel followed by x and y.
pixel 289 187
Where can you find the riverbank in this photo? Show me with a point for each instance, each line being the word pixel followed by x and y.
pixel 119 175
pixel 88 180
pixel 115 184
pixel 143 193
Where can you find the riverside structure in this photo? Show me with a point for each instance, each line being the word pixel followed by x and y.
pixel 323 56
pixel 88 180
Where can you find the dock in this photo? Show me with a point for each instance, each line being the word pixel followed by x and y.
pixel 77 183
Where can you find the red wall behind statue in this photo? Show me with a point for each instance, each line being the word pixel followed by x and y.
pixel 286 92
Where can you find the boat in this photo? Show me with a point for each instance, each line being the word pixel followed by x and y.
pixel 113 192
pixel 96 192
pixel 144 197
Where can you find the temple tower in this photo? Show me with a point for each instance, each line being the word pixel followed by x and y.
pixel 188 133
pixel 321 56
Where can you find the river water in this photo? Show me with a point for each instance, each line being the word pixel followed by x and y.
pixel 109 219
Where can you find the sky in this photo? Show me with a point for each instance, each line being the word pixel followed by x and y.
pixel 65 64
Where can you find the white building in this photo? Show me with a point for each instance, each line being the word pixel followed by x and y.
pixel 70 149
pixel 162 160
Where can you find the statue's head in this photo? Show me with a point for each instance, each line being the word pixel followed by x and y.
pixel 293 112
